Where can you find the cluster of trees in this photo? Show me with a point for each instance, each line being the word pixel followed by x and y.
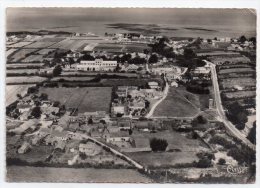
pixel 199 120
pixel 221 141
pixel 158 144
pixel 57 71
pixel 205 160
pixel 161 48
pixel 237 115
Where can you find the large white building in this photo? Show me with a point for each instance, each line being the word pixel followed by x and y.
pixel 97 65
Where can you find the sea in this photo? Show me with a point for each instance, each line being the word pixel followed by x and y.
pixel 205 23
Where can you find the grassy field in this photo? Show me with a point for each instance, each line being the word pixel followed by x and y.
pixel 22 71
pixel 128 82
pixel 240 94
pixel 88 99
pixel 236 70
pixel 70 44
pixel 10 51
pixel 176 105
pixel 165 159
pixel 243 82
pixel 70 175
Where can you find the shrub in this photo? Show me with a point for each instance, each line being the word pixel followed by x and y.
pixel 158 144
pixel 221 161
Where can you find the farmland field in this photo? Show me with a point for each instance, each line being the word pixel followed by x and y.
pixel 25 80
pixel 45 51
pixel 19 44
pixel 236 70
pixel 176 105
pixel 77 73
pixel 231 82
pixel 89 99
pixel 32 58
pixel 69 44
pixel 20 54
pixel 70 78
pixel 51 39
pixel 24 65
pixel 40 44
pixel 128 82
pixel 109 47
pixel 130 48
pixel 80 175
pixel 10 51
pixel 240 94
pixel 11 92
pixel 22 71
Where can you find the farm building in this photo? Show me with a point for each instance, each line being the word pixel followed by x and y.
pixel 97 65
pixel 153 85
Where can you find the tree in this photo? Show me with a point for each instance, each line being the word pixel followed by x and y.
pixel 43 96
pixel 36 112
pixel 201 120
pixel 221 161
pixel 90 120
pixel 158 144
pixel 253 40
pixel 252 134
pixel 57 70
pixel 189 54
pixel 242 39
pixel 153 59
pixel 56 104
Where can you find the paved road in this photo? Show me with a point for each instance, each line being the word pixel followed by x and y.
pixel 221 112
pixel 165 93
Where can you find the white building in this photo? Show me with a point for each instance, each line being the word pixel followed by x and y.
pixel 97 65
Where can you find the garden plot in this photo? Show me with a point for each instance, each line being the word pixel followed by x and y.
pixel 20 54
pixel 19 44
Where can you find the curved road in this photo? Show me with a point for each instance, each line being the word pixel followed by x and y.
pixel 220 110
pixel 165 93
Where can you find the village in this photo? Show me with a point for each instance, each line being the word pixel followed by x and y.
pixel 128 100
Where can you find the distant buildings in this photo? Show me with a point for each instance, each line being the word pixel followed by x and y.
pixel 97 65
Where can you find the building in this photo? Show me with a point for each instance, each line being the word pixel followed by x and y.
pixel 153 85
pixel 23 107
pixel 97 65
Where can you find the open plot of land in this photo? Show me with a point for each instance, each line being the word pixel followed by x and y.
pixel 11 92
pixel 88 99
pixel 40 44
pixel 25 80
pixel 20 54
pixel 80 175
pixel 236 70
pixel 19 44
pixel 175 105
pixel 33 58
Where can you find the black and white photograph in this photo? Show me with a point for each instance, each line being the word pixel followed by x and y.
pixel 130 95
